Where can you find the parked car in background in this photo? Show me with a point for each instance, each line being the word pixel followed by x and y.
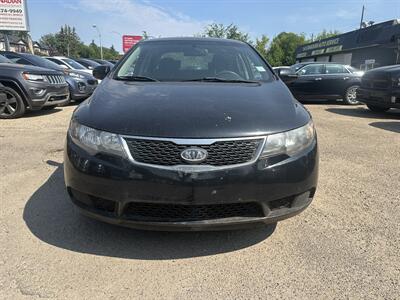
pixel 323 81
pixel 230 147
pixel 68 63
pixel 104 62
pixel 87 63
pixel 380 88
pixel 81 84
pixel 113 61
pixel 29 88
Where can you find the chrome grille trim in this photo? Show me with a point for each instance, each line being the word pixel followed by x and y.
pixel 190 142
pixel 55 79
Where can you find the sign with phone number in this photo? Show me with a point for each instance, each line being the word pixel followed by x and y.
pixel 14 15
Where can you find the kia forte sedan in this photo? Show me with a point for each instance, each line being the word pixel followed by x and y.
pixel 191 134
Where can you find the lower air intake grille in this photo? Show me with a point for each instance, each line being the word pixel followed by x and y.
pixel 167 153
pixel 181 213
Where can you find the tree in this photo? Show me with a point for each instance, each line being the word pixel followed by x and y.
pixel 261 45
pixel 65 42
pixel 324 34
pixel 225 32
pixel 282 49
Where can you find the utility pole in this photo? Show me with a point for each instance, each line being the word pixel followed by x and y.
pixel 101 45
pixel 362 16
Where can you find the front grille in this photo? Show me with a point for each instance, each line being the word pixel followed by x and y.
pixel 180 213
pixel 55 79
pixel 167 153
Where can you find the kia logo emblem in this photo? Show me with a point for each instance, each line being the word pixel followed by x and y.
pixel 194 155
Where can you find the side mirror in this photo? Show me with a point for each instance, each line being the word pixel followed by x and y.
pixel 287 75
pixel 100 72
pixel 64 67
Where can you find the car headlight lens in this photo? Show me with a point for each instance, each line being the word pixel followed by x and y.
pixel 76 75
pixel 289 142
pixel 95 140
pixel 34 77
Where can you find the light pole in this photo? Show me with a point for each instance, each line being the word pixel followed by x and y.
pixel 101 46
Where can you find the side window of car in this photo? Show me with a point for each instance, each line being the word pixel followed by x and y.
pixel 335 69
pixel 56 61
pixel 18 60
pixel 313 69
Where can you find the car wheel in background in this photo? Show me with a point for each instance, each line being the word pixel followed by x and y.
pixel 11 104
pixel 350 96
pixel 377 108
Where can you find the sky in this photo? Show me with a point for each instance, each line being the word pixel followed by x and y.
pixel 188 17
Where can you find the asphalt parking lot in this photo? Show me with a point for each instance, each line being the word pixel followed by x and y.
pixel 345 245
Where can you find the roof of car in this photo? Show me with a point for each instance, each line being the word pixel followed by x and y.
pixel 57 57
pixel 199 39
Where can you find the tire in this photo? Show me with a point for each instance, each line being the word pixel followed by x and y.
pixel 350 95
pixel 11 104
pixel 377 109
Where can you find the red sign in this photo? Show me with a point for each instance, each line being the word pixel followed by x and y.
pixel 128 41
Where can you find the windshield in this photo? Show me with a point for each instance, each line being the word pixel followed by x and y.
pixel 4 59
pixel 42 62
pixel 194 60
pixel 75 65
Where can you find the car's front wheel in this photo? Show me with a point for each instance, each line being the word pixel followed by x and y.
pixel 350 96
pixel 378 109
pixel 11 104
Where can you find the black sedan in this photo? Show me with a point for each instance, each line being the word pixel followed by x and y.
pixel 328 81
pixel 192 134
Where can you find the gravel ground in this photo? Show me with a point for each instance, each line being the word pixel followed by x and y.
pixel 345 245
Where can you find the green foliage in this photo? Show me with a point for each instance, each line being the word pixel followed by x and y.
pixel 279 51
pixel 282 49
pixel 67 42
pixel 225 32
pixel 261 45
pixel 324 34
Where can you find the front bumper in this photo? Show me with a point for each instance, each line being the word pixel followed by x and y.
pixel 81 88
pixel 117 191
pixel 382 98
pixel 50 95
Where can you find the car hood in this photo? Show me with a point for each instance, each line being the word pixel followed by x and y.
pixel 191 109
pixel 395 69
pixel 26 68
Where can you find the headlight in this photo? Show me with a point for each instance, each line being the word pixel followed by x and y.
pixel 34 77
pixel 95 140
pixel 289 142
pixel 396 82
pixel 76 75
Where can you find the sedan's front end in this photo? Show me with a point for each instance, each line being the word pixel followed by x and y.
pixel 145 182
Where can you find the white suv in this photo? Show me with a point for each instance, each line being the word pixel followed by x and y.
pixel 69 63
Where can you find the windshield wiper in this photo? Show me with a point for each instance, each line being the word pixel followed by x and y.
pixel 217 79
pixel 135 78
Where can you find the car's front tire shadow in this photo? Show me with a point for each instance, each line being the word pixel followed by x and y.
pixel 51 217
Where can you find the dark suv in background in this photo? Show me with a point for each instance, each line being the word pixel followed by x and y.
pixel 28 87
pixel 81 84
pixel 380 88
pixel 328 81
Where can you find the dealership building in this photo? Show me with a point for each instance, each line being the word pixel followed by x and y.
pixel 366 48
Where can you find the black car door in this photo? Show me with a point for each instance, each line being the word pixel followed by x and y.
pixel 335 79
pixel 308 84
